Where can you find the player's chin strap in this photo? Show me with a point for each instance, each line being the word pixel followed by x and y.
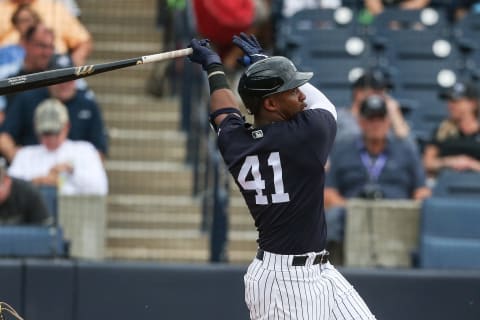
pixel 218 112
pixel 5 307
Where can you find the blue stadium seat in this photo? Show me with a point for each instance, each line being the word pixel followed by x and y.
pixel 49 194
pixel 313 27
pixel 466 33
pixel 450 234
pixel 32 241
pixel 457 184
pixel 320 40
pixel 423 58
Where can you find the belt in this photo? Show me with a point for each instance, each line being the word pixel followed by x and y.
pixel 300 261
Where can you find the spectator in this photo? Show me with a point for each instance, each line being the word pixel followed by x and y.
pixel 290 7
pixel 73 166
pixel 71 37
pixel 12 56
pixel 84 113
pixel 455 144
pixel 374 81
pixel 460 8
pixel 39 49
pixel 377 6
pixel 220 20
pixel 373 165
pixel 20 202
pixel 22 19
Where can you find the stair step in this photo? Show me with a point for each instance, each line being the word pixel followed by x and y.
pixel 155 220
pixel 136 102
pixel 166 181
pixel 159 238
pixel 153 120
pixel 149 254
pixel 102 32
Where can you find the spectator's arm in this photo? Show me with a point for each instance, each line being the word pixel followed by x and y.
pixel 333 198
pixel 80 53
pixel 422 193
pixel 414 4
pixel 431 161
pixel 399 125
pixel 374 6
pixel 7 146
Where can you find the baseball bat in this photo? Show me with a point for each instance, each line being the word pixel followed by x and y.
pixel 48 78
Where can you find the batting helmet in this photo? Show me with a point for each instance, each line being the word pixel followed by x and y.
pixel 269 76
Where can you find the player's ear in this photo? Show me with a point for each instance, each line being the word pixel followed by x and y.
pixel 270 104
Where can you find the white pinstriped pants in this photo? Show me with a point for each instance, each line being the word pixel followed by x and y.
pixel 274 289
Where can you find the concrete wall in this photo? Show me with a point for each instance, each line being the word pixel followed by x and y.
pixel 64 290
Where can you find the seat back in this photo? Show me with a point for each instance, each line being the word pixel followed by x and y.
pixel 32 241
pixel 457 184
pixel 450 233
pixel 329 43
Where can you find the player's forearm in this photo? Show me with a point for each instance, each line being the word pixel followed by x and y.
pixel 221 96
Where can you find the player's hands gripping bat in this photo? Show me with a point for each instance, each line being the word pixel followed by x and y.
pixel 202 54
pixel 251 47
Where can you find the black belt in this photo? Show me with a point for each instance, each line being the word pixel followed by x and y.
pixel 299 261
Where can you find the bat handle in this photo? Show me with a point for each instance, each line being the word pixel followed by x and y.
pixel 167 55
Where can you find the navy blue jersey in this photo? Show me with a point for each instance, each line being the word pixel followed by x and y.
pixel 279 169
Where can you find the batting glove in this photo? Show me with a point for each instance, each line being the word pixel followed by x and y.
pixel 202 54
pixel 250 46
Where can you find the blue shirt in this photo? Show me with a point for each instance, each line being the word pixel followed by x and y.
pixel 86 122
pixel 399 177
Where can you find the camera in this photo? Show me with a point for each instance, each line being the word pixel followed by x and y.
pixel 371 192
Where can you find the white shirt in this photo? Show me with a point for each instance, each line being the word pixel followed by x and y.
pixel 88 176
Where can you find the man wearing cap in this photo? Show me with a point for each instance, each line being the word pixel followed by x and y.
pixel 20 202
pixel 373 81
pixel 455 144
pixel 373 165
pixel 86 120
pixel 73 166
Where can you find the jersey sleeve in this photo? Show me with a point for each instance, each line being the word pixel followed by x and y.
pixel 315 99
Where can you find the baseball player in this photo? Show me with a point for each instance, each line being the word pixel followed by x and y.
pixel 278 164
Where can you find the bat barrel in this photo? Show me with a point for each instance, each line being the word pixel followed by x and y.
pixel 51 77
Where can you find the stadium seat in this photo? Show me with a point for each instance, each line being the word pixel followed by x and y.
pixel 49 194
pixel 449 233
pixel 32 241
pixel 424 116
pixel 466 33
pixel 417 46
pixel 314 26
pixel 457 184
pixel 329 43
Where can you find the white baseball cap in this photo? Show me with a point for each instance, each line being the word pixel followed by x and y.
pixel 50 116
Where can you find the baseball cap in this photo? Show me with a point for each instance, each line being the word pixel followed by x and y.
pixel 461 89
pixel 50 116
pixel 373 106
pixel 376 79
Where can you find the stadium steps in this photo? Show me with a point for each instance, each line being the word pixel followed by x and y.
pixel 151 212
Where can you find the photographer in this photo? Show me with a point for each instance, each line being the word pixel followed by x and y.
pixel 372 165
